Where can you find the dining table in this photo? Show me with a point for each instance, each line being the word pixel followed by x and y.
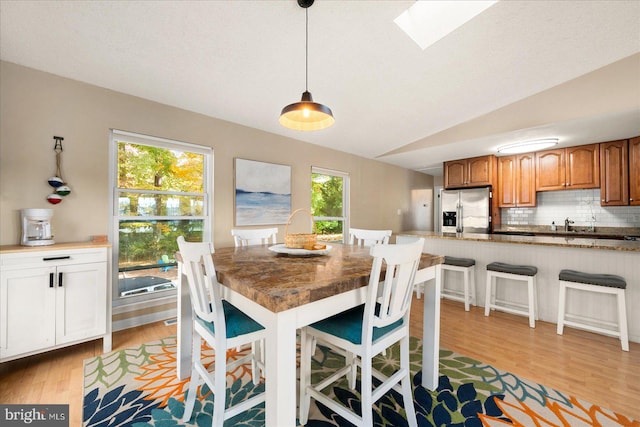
pixel 287 290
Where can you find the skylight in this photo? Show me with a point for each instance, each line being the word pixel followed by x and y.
pixel 428 21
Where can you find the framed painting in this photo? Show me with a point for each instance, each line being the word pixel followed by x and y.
pixel 263 193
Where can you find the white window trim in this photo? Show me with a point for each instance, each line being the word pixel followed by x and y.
pixel 346 191
pixel 119 135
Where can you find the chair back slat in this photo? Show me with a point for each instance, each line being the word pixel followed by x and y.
pixel 204 289
pixel 362 237
pixel 393 294
pixel 256 236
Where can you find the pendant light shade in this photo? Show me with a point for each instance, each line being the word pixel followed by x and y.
pixel 306 115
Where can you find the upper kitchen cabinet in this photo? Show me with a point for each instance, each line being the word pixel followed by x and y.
pixel 634 171
pixel 614 173
pixel 474 172
pixel 516 181
pixel 569 168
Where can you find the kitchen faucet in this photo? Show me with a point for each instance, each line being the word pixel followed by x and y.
pixel 567 224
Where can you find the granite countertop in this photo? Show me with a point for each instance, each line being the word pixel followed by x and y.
pixel 6 249
pixel 563 241
pixel 579 231
pixel 281 282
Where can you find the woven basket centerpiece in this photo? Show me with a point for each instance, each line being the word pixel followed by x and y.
pixel 300 240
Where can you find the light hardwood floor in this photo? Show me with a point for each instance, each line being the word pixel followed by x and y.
pixel 589 366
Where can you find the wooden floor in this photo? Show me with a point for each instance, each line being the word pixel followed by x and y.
pixel 589 366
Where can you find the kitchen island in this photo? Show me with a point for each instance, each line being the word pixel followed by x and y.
pixel 550 255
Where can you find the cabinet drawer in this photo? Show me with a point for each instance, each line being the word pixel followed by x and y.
pixel 46 258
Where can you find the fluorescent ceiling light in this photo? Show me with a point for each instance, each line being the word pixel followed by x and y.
pixel 426 22
pixel 528 146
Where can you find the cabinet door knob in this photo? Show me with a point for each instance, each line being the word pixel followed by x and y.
pixel 51 280
pixel 603 200
pixel 60 279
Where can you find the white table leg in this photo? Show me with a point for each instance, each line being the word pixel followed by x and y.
pixel 184 328
pixel 280 370
pixel 431 326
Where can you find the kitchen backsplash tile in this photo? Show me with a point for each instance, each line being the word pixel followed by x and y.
pixel 577 205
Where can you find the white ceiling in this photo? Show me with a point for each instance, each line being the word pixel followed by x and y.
pixel 520 70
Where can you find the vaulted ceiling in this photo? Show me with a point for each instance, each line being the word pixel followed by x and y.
pixel 519 70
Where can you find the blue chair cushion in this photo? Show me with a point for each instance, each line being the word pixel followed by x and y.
pixel 348 325
pixel 237 322
pixel 522 270
pixel 459 262
pixel 608 280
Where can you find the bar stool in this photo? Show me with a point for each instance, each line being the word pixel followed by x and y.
pixel 598 283
pixel 522 273
pixel 468 268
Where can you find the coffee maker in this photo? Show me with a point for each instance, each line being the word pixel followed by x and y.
pixel 36 227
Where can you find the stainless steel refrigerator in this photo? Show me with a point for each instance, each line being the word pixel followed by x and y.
pixel 465 211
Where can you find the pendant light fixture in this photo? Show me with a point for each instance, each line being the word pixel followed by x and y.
pixel 306 115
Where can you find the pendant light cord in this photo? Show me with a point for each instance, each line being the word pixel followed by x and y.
pixel 306 50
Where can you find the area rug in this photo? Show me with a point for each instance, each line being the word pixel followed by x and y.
pixel 138 387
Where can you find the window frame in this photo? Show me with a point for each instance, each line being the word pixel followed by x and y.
pixel 116 136
pixel 346 190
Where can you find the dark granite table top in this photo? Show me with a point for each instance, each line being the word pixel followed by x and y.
pixel 281 282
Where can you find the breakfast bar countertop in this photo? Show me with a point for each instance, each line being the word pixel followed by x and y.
pixel 564 241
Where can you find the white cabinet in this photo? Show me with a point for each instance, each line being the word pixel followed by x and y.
pixel 53 298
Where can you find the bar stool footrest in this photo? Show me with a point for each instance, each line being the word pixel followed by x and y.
pixel 510 307
pixel 453 295
pixel 593 328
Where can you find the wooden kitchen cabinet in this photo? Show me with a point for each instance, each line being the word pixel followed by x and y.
pixel 634 171
pixel 569 168
pixel 474 172
pixel 614 173
pixel 50 299
pixel 516 181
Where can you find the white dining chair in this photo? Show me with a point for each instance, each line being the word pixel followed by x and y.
pixel 363 237
pixel 222 326
pixel 255 236
pixel 366 331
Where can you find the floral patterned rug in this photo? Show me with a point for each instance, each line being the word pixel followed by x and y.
pixel 138 387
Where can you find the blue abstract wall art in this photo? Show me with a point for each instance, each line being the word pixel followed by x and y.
pixel 263 193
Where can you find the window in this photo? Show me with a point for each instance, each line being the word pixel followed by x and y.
pixel 330 203
pixel 161 190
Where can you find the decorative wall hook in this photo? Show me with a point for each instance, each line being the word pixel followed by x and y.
pixel 58 147
pixel 57 182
